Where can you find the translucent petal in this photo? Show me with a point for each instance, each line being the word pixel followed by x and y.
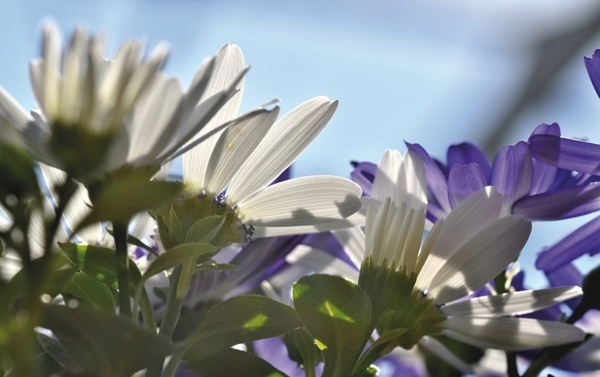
pixel 512 334
pixel 353 241
pixel 479 260
pixel 302 201
pixel 357 219
pixel 437 348
pixel 516 303
pixel 234 146
pixel 386 176
pixel 280 147
pixel 318 261
pixel 469 218
pixel 229 61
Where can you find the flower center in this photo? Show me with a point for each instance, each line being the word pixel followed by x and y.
pixel 200 219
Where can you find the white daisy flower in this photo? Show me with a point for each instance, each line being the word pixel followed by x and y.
pixel 99 115
pixel 425 284
pixel 248 156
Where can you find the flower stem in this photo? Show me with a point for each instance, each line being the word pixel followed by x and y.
pixel 179 284
pixel 120 234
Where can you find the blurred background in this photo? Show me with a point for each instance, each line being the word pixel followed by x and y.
pixel 432 72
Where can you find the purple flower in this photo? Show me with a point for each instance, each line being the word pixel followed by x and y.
pixel 532 186
pixel 583 240
pixel 584 358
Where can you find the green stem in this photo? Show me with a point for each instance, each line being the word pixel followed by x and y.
pixel 120 234
pixel 511 364
pixel 171 366
pixel 179 285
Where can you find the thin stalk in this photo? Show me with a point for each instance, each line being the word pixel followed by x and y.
pixel 511 364
pixel 179 284
pixel 171 366
pixel 120 234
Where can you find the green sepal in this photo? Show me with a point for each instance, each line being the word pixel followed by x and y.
pixel 91 291
pixel 238 320
pixel 205 230
pixel 387 288
pixel 337 314
pixel 234 363
pixel 102 343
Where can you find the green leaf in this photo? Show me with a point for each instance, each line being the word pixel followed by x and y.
pixel 55 349
pixel 100 263
pixel 102 343
pixel 121 197
pixel 176 226
pixel 59 275
pixel 178 255
pixel 240 319
pixel 96 261
pixel 234 363
pixel 302 349
pixel 91 291
pixel 205 230
pixel 336 313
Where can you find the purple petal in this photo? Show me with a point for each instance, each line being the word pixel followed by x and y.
pixel 547 129
pixel 558 205
pixel 284 176
pixel 583 240
pixel 435 179
pixel 593 67
pixel 564 276
pixel 570 154
pixel 274 351
pixel 544 175
pixel 327 243
pixel 513 172
pixel 463 181
pixel 364 175
pixel 466 153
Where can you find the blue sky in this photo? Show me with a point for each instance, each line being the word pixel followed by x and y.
pixel 431 72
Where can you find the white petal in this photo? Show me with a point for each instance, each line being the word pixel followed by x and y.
pixel 36 76
pixel 516 303
pixel 234 147
pixel 72 85
pixel 353 241
pixel 320 262
pixel 302 201
pixel 386 177
pixel 10 264
pixel 411 183
pixel 281 146
pixel 470 217
pixel 511 333
pixel 51 55
pixel 480 260
pixel 229 61
pixel 357 219
pixel 148 128
pixel 440 350
pixel 13 121
pixel 78 207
